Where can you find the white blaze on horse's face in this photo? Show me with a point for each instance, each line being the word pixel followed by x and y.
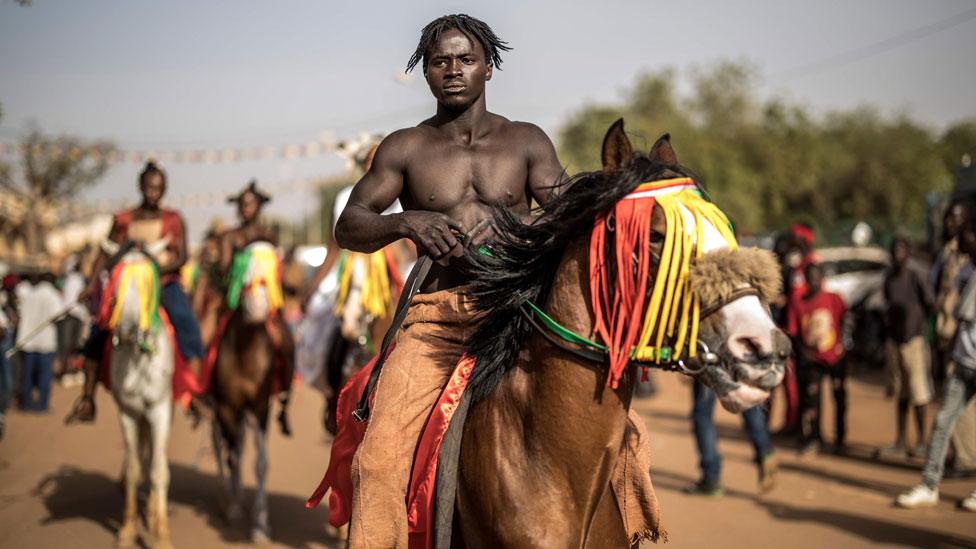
pixel 131 309
pixel 255 304
pixel 748 333
pixel 355 322
pixel 128 325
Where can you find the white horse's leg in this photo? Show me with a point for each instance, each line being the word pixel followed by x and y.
pixel 261 531
pixel 159 419
pixel 130 436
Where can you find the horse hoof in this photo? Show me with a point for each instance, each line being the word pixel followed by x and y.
pixel 163 544
pixel 126 537
pixel 234 514
pixel 259 537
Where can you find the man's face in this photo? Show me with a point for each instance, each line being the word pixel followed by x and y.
pixel 899 253
pixel 153 187
pixel 457 70
pixel 954 220
pixel 248 207
pixel 814 278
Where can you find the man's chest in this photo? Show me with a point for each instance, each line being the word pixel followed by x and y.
pixel 445 175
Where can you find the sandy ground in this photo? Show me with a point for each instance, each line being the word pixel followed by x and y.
pixel 58 485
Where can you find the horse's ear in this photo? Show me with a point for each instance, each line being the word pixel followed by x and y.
pixel 617 150
pixel 110 248
pixel 662 151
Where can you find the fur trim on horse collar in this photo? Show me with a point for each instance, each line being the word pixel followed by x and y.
pixel 716 275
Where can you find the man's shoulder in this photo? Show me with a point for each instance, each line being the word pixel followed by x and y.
pixel 523 130
pixel 402 143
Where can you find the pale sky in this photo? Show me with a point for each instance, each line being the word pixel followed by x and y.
pixel 187 74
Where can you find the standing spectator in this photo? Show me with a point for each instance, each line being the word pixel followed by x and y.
pixel 815 320
pixel 906 352
pixel 710 461
pixel 8 321
pixel 960 389
pixel 795 253
pixel 38 341
pixel 69 327
pixel 952 266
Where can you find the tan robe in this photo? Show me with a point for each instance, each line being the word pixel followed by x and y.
pixel 428 347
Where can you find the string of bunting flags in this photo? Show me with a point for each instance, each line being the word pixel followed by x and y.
pixel 226 155
pixel 197 199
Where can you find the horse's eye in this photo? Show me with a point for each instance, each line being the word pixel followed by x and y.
pixel 657 237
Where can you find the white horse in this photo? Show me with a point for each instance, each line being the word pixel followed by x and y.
pixel 141 377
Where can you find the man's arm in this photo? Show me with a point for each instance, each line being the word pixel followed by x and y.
pixel 179 252
pixel 546 174
pixel 362 228
pixel 226 252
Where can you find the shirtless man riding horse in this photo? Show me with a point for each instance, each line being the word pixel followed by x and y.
pixel 145 224
pixel 448 172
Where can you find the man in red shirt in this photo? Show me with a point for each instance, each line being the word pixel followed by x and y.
pixel 814 321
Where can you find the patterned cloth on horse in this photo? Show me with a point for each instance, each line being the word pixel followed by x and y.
pixel 418 390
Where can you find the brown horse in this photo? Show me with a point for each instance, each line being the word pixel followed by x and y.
pixel 252 342
pixel 542 436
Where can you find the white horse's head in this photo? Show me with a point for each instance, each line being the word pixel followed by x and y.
pixel 364 293
pixel 256 275
pixel 131 304
pixel 707 298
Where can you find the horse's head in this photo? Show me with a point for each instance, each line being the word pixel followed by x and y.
pixel 702 298
pixel 364 294
pixel 130 307
pixel 255 282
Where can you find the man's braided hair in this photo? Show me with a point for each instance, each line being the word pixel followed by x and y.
pixel 475 29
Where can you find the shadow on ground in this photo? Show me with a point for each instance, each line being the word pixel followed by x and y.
pixel 868 528
pixel 72 493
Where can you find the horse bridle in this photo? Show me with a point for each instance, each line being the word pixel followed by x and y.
pixel 595 355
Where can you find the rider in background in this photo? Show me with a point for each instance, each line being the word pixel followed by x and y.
pixel 249 202
pixel 145 224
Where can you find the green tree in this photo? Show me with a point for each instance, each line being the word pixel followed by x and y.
pixel 770 162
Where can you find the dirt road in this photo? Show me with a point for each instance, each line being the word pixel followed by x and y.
pixel 58 485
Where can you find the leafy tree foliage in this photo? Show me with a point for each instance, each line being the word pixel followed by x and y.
pixel 53 170
pixel 771 162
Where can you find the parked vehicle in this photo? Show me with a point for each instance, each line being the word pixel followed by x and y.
pixel 857 275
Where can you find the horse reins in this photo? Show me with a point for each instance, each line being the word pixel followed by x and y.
pixel 596 354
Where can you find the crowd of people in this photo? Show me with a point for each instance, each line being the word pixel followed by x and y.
pixel 929 356
pixel 42 324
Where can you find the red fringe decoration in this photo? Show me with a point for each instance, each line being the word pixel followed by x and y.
pixel 619 323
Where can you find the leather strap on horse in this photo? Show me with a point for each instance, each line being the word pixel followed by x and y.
pixel 414 281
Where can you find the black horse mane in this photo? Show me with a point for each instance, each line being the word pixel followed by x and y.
pixel 524 259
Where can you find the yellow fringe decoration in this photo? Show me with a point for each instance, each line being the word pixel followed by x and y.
pixel 374 296
pixel 266 273
pixel 673 309
pixel 146 284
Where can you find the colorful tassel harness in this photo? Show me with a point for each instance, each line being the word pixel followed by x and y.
pixel 251 269
pixel 374 291
pixel 144 277
pixel 620 270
